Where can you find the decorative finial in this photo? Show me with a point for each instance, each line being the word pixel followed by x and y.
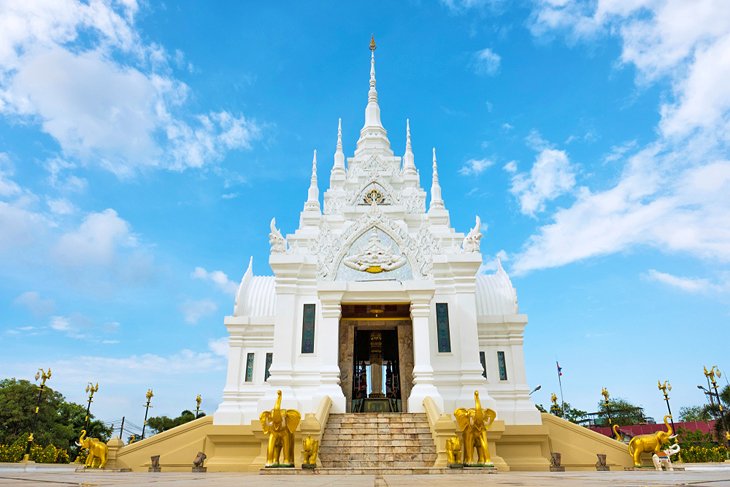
pixel 372 43
pixel 338 169
pixel 313 193
pixel 436 200
pixel 409 167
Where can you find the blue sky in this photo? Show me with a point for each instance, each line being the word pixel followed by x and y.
pixel 144 147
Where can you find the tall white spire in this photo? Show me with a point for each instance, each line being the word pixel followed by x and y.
pixel 409 166
pixel 338 169
pixel 313 193
pixel 373 135
pixel 436 201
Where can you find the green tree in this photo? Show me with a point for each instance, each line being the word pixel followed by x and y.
pixel 568 412
pixel 59 422
pixel 164 423
pixel 622 412
pixel 695 413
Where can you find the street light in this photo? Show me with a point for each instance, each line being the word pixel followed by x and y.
pixel 44 376
pixel 535 390
pixel 604 393
pixel 148 395
pixel 198 400
pixel 665 388
pixel 91 389
pixel 711 374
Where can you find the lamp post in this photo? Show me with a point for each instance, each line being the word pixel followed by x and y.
pixel 148 395
pixel 555 410
pixel 198 400
pixel 665 388
pixel 90 389
pixel 531 392
pixel 715 372
pixel 708 374
pixel 604 393
pixel 44 376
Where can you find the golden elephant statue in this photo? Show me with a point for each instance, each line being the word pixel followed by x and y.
pixel 474 423
pixel 453 450
pixel 280 425
pixel 97 450
pixel 310 447
pixel 649 443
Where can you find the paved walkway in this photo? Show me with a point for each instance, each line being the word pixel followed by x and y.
pixel 706 477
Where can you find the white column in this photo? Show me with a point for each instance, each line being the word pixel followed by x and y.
pixel 422 370
pixel 328 346
pixel 228 411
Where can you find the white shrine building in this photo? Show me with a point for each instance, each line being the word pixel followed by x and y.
pixel 376 301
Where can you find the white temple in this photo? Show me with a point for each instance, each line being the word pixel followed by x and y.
pixel 376 301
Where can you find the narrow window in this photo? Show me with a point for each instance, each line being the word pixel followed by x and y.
pixel 483 360
pixel 249 367
pixel 308 329
pixel 502 366
pixel 442 327
pixel 269 359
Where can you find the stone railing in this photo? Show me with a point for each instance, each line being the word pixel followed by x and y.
pixel 314 423
pixel 442 428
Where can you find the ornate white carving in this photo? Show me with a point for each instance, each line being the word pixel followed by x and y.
pixel 414 203
pixel 419 250
pixel 325 248
pixel 472 241
pixel 333 205
pixel 390 195
pixel 276 239
pixel 375 258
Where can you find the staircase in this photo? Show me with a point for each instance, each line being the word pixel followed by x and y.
pixel 386 441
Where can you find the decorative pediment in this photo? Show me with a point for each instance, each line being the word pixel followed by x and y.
pixel 332 249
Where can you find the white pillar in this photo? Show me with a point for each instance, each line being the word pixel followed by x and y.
pixel 328 346
pixel 422 370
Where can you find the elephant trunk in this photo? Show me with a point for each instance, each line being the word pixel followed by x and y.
pixel 81 438
pixel 670 431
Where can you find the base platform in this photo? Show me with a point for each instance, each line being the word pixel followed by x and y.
pixel 379 471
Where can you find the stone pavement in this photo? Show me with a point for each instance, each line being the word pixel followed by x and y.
pixel 705 477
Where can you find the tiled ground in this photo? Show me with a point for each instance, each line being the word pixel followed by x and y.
pixel 718 477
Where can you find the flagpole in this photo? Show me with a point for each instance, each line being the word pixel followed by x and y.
pixel 560 381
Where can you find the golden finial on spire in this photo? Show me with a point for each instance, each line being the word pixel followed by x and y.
pixel 372 43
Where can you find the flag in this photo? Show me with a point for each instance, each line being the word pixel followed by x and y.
pixel 560 369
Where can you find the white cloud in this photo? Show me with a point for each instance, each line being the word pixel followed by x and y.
pixel 175 378
pixel 672 194
pixel 474 167
pixel 219 346
pixel 510 167
pixel 61 206
pixel 486 62
pixel 219 278
pixel 111 100
pixel 551 176
pixel 60 323
pixel 96 241
pixel 193 311
pixel 32 301
pixel 8 187
pixel 688 284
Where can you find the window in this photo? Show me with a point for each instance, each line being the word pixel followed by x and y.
pixel 442 327
pixel 502 366
pixel 308 328
pixel 249 367
pixel 483 360
pixel 269 359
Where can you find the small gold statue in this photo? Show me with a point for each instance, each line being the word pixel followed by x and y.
pixel 280 425
pixel 474 423
pixel 649 443
pixel 617 433
pixel 453 450
pixel 97 450
pixel 310 447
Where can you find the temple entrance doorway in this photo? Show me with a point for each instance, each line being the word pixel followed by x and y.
pixel 376 357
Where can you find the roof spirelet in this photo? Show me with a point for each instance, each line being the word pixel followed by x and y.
pixel 436 200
